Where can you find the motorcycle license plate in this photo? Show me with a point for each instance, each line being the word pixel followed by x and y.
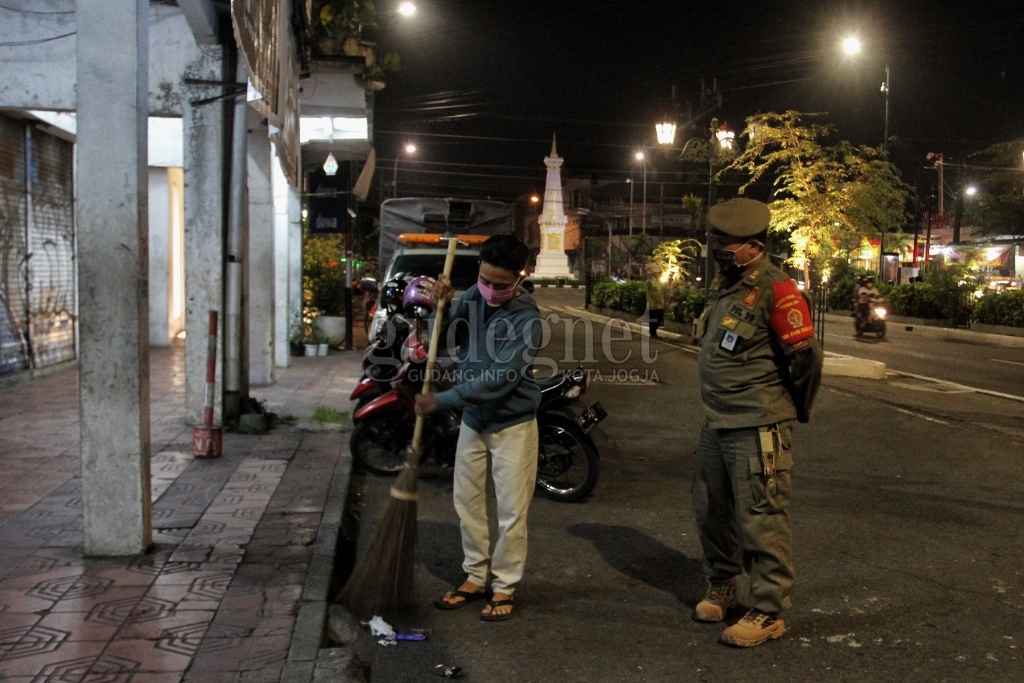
pixel 589 418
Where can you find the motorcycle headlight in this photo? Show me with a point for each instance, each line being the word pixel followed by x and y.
pixel 880 312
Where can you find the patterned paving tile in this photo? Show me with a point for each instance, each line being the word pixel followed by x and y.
pixel 147 656
pixel 163 677
pixel 36 571
pixel 117 612
pixel 100 604
pixel 17 600
pixel 78 627
pixel 183 624
pixel 71 655
pixel 71 587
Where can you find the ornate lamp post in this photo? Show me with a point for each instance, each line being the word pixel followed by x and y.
pixel 720 140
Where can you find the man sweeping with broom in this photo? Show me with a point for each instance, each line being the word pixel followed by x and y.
pixel 496 326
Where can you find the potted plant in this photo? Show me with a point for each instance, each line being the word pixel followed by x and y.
pixel 323 285
pixel 310 347
pixel 322 343
pixel 297 331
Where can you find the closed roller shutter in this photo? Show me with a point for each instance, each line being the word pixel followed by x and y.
pixel 14 336
pixel 51 237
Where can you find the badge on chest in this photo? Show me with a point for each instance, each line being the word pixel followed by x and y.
pixel 729 340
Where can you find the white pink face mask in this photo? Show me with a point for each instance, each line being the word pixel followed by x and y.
pixel 496 297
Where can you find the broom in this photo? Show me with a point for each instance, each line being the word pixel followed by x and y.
pixel 383 579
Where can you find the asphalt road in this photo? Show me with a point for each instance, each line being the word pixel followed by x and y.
pixel 908 521
pixel 979 365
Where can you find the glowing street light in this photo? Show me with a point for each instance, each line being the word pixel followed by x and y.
pixel 410 149
pixel 852 46
pixel 407 9
pixel 666 132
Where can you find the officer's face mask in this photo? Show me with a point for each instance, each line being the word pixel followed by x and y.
pixel 726 260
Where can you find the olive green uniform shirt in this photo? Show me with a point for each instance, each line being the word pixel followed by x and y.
pixel 741 355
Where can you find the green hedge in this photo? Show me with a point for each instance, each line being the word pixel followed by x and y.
pixel 1000 309
pixel 841 293
pixel 919 300
pixel 686 304
pixel 628 297
pixel 555 281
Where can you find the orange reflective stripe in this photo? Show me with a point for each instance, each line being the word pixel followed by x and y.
pixel 434 238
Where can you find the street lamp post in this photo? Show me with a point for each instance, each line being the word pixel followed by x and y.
pixel 852 46
pixel 629 251
pixel 409 149
pixel 885 87
pixel 709 262
pixel 643 217
pixel 719 138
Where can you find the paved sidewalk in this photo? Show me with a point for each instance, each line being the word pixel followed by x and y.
pixel 234 586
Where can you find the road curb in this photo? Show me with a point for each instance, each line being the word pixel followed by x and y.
pixel 847 366
pixel 310 623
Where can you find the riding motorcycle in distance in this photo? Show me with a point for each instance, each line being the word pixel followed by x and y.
pixel 869 316
pixel 568 463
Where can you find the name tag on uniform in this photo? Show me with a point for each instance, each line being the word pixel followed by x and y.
pixel 729 340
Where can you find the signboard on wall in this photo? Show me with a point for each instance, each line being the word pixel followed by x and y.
pixel 327 201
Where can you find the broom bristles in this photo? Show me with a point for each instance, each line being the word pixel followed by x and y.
pixel 383 580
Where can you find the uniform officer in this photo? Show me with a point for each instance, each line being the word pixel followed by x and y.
pixel 760 368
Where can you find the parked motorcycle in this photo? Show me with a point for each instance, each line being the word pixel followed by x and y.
pixel 403 302
pixel 869 316
pixel 381 361
pixel 567 467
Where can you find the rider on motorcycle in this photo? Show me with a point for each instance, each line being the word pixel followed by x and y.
pixel 868 297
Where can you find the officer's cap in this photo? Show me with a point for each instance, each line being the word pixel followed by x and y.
pixel 739 217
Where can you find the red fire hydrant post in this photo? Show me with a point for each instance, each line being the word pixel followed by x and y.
pixel 206 440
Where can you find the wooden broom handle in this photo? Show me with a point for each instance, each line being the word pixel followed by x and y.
pixel 435 338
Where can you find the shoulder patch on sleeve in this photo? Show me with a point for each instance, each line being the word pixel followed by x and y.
pixel 791 318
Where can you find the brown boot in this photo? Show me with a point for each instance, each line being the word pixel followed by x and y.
pixel 753 629
pixel 720 596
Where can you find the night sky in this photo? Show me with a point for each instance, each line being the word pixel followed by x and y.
pixel 485 83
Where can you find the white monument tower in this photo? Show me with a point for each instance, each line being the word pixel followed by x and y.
pixel 551 261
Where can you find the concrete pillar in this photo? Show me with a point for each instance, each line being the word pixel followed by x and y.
pixel 284 316
pixel 111 213
pixel 294 252
pixel 260 259
pixel 159 258
pixel 204 230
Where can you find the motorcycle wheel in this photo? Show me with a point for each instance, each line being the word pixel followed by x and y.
pixel 881 329
pixel 378 443
pixel 567 464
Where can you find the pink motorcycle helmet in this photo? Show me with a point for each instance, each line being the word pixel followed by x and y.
pixel 418 300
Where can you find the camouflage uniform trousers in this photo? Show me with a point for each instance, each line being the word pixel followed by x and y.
pixel 742 512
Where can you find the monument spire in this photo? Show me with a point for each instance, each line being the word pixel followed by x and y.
pixel 552 261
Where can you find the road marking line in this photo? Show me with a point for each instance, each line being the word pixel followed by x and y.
pixel 987 392
pixel 923 417
pixel 1011 362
